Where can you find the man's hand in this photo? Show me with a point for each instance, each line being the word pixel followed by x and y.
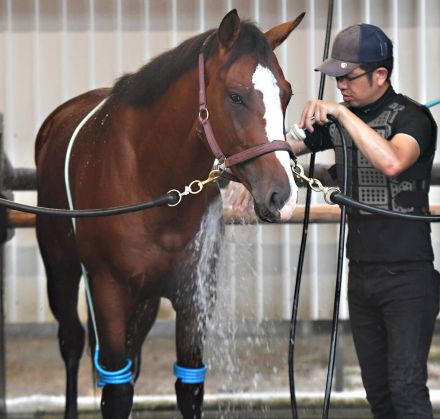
pixel 238 197
pixel 317 111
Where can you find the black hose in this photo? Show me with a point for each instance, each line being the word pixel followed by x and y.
pixel 344 200
pixel 295 302
pixel 101 212
pixel 338 284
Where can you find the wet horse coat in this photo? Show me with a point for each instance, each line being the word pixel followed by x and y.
pixel 143 141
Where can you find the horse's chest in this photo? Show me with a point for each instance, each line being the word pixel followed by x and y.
pixel 157 257
pixel 177 234
pixel 185 253
pixel 172 241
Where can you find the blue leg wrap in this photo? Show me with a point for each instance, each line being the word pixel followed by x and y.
pixel 190 375
pixel 122 376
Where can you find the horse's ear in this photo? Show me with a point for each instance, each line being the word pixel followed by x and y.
pixel 278 34
pixel 229 30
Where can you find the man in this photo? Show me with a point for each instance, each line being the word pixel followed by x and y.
pixel 393 289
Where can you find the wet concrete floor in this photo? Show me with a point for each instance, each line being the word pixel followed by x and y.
pixel 254 363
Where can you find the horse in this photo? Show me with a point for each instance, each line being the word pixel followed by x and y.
pixel 219 97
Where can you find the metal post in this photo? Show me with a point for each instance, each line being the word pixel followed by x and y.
pixel 2 342
pixel 3 238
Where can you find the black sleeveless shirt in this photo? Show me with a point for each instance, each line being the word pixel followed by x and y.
pixel 375 238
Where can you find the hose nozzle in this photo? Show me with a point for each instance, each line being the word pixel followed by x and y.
pixel 297 133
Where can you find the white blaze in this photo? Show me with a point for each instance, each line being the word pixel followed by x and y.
pixel 264 81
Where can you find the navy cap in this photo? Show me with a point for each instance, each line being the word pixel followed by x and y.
pixel 354 46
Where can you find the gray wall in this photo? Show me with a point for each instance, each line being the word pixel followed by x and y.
pixel 53 50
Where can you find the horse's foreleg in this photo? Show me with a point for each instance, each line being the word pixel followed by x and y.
pixel 140 325
pixel 194 303
pixel 189 399
pixel 116 401
pixel 190 331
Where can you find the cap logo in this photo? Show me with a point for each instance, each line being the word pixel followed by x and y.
pixel 344 65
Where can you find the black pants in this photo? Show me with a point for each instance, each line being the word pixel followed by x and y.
pixel 393 308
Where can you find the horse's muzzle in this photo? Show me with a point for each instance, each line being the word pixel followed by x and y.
pixel 280 206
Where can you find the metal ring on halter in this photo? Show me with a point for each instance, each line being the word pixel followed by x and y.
pixel 179 195
pixel 201 111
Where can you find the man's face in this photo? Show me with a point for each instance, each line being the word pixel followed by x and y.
pixel 356 88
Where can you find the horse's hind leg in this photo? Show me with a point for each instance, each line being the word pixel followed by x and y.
pixel 63 299
pixel 63 276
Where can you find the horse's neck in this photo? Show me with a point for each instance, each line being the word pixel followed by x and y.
pixel 175 117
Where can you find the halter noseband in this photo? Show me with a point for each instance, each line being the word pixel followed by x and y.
pixel 206 128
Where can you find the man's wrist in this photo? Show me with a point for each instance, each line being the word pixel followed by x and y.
pixel 291 139
pixel 342 111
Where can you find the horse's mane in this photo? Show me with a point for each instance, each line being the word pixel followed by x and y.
pixel 152 80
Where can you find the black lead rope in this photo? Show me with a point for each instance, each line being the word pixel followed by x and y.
pixel 168 199
pixel 299 270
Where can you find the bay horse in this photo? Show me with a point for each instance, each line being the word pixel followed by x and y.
pixel 148 134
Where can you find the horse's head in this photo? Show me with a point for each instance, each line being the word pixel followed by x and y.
pixel 247 96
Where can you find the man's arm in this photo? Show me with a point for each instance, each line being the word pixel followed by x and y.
pixel 389 157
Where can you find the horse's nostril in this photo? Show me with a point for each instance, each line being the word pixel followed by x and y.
pixel 278 199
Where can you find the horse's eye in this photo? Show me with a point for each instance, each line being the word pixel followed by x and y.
pixel 236 98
